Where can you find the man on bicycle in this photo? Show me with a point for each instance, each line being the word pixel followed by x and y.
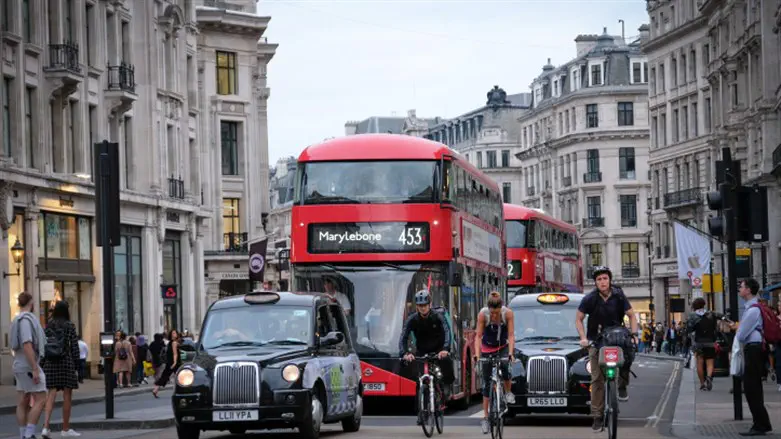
pixel 495 337
pixel 606 307
pixel 432 336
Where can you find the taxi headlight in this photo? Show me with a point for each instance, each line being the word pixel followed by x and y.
pixel 291 373
pixel 185 378
pixel 588 365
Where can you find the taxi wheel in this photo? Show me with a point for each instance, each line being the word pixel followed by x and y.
pixel 353 423
pixel 187 432
pixel 310 428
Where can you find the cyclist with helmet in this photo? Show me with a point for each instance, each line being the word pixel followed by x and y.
pixel 606 307
pixel 495 336
pixel 432 336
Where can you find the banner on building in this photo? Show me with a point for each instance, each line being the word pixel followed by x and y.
pixel 257 260
pixel 693 255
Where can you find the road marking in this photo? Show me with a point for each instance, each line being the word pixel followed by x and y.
pixel 658 412
pixel 479 414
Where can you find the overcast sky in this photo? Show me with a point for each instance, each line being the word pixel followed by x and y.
pixel 341 60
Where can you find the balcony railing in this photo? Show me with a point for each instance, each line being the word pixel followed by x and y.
pixel 630 271
pixel 64 57
pixel 567 181
pixel 176 187
pixel 594 222
pixel 235 242
pixel 685 197
pixel 592 177
pixel 222 4
pixel 121 78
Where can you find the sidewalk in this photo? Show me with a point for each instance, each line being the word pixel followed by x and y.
pixel 88 392
pixel 701 414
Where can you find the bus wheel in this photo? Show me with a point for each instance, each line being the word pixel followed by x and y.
pixel 466 401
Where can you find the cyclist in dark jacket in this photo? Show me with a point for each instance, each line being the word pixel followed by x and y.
pixel 432 336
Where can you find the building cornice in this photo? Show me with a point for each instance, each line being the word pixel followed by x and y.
pixel 675 34
pixel 232 22
pixel 551 104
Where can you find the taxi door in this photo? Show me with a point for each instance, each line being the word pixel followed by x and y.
pixel 346 385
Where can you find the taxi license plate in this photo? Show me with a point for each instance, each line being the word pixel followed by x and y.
pixel 546 402
pixel 374 387
pixel 235 415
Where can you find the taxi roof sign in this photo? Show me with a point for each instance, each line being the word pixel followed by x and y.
pixel 553 298
pixel 261 297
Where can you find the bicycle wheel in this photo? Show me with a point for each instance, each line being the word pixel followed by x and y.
pixel 611 391
pixel 439 412
pixel 495 412
pixel 424 413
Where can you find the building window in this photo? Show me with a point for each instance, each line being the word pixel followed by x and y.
pixel 626 163
pixel 596 74
pixel 505 158
pixel 128 301
pixel 626 114
pixel 28 125
pixel 491 158
pixel 128 140
pixel 684 122
pixel 594 252
pixel 708 110
pixel 64 237
pixel 227 73
pixel 479 159
pixel 662 79
pixel 67 12
pixel 231 218
pixel 27 26
pixel 229 135
pixel 506 192
pixel 172 275
pixel 676 121
pixel 7 83
pixel 630 259
pixel 695 120
pixel 628 210
pixel 655 132
pixel 674 73
pixel 594 207
pixel 72 132
pixel 639 72
pixel 592 116
pixel 592 161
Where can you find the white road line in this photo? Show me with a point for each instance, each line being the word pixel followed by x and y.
pixel 666 396
pixel 655 415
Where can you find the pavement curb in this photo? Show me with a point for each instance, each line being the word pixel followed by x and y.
pixel 117 424
pixel 685 415
pixel 10 409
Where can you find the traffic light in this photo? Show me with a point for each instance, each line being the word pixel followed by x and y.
pixel 751 214
pixel 718 225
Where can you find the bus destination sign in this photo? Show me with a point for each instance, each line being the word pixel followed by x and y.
pixel 385 237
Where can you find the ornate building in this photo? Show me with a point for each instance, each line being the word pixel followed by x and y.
pixel 489 137
pixel 584 149
pixel 133 72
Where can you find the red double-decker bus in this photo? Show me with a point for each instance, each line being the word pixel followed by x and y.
pixel 377 218
pixel 543 253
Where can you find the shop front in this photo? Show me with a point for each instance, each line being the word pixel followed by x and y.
pixel 128 281
pixel 65 266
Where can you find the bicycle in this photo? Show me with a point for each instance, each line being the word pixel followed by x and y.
pixel 611 360
pixel 427 417
pixel 497 406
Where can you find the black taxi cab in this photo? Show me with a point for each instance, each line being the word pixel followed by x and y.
pixel 551 373
pixel 269 360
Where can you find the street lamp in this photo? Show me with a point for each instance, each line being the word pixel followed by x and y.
pixel 17 252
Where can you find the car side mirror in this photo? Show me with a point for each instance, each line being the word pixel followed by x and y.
pixel 331 339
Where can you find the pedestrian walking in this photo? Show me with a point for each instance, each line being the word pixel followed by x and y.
pixel 27 344
pixel 61 357
pixel 702 326
pixel 142 357
pixel 172 361
pixel 83 353
pixel 749 335
pixel 156 349
pixel 123 360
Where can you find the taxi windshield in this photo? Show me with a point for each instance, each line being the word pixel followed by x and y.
pixel 545 322
pixel 257 325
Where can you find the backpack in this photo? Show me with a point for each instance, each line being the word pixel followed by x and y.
pixel 122 353
pixel 56 337
pixel 771 327
pixel 445 314
pixel 705 329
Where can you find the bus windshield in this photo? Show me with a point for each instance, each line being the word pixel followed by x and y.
pixel 516 233
pixel 377 299
pixel 376 182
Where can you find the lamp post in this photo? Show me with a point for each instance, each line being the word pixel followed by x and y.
pixel 649 244
pixel 17 252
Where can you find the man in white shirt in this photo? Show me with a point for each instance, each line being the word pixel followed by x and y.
pixel 83 352
pixel 330 288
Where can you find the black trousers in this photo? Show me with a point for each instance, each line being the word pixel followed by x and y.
pixel 753 371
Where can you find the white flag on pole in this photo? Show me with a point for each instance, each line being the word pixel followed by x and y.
pixel 693 254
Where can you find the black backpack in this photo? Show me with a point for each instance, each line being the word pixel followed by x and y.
pixel 122 354
pixel 56 342
pixel 705 329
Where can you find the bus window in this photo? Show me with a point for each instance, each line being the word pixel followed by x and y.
pixel 516 233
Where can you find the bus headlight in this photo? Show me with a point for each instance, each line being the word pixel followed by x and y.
pixel 291 373
pixel 185 378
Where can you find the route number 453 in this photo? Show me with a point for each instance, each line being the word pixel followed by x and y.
pixel 411 236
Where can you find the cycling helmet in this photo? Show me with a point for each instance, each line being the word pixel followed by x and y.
pixel 598 270
pixel 422 297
